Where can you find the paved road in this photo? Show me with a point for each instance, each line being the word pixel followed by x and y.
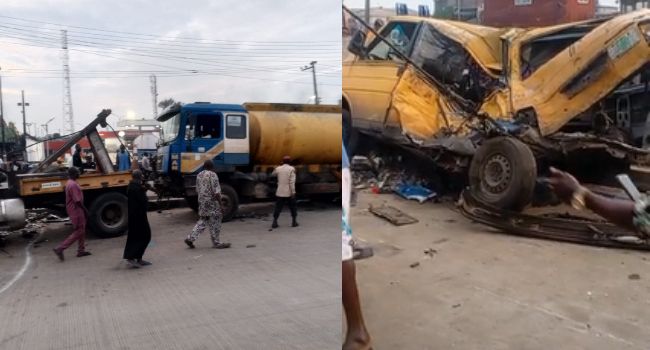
pixel 486 290
pixel 284 293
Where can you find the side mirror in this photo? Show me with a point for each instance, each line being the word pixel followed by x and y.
pixel 356 45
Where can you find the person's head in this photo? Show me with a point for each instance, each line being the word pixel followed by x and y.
pixel 73 173
pixel 77 147
pixel 146 155
pixel 378 24
pixel 286 160
pixel 137 175
pixel 208 165
pixel 122 148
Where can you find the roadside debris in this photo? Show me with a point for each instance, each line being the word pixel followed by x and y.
pixel 415 192
pixel 560 228
pixel 393 215
pixel 430 252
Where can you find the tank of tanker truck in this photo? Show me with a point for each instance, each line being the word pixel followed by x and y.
pixel 310 134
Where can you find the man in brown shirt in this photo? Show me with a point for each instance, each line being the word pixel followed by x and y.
pixel 286 192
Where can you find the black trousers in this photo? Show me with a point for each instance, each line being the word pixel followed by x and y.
pixel 279 204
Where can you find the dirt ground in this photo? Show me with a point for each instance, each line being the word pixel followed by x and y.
pixel 271 290
pixel 481 289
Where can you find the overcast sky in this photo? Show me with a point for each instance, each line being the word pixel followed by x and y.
pixel 413 4
pixel 225 51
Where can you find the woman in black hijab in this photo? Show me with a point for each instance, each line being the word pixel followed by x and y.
pixel 139 234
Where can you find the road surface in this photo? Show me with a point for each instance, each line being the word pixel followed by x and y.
pixel 481 289
pixel 271 290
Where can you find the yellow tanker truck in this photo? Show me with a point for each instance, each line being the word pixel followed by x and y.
pixel 246 142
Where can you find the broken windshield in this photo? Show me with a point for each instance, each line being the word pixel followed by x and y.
pixel 450 63
pixel 400 35
pixel 540 50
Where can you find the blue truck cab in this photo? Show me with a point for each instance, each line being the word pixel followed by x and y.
pixel 193 133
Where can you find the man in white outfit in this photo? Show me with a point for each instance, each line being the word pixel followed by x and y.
pixel 286 192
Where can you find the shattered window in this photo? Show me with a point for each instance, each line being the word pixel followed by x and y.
pixel 537 52
pixel 451 64
pixel 399 35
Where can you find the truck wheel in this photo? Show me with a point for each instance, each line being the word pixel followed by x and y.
pixel 230 202
pixel 108 215
pixel 502 173
pixel 193 202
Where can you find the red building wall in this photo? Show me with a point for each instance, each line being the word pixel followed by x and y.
pixel 504 13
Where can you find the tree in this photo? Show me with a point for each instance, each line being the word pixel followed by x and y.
pixel 166 103
pixel 11 132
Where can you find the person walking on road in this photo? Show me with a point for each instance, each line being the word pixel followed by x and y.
pixel 210 215
pixel 74 205
pixel 76 158
pixel 286 192
pixel 139 234
pixel 123 159
pixel 357 337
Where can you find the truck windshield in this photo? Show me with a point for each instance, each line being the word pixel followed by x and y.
pixel 169 128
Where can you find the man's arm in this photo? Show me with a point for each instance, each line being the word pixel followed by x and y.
pixel 216 189
pixel 619 212
pixel 77 198
pixel 292 182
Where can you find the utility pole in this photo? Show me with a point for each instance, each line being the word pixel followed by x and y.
pixel 23 104
pixel 458 3
pixel 367 12
pixel 47 136
pixel 312 66
pixel 68 117
pixel 154 95
pixel 2 121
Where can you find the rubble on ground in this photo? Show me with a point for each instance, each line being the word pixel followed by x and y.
pixel 387 175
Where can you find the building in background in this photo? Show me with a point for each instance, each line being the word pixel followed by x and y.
pixel 606 11
pixel 631 5
pixel 536 13
pixel 134 127
pixel 464 10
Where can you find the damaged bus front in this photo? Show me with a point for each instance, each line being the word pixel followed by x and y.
pixel 506 103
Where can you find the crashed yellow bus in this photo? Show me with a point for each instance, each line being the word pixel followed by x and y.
pixel 502 104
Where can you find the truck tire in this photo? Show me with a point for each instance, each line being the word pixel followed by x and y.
pixel 108 215
pixel 230 202
pixel 503 173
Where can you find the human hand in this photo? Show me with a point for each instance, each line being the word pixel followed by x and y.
pixel 563 184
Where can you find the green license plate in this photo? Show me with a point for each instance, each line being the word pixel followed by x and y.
pixel 623 44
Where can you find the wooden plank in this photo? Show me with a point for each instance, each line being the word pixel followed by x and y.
pixel 393 215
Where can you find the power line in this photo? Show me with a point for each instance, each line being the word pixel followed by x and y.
pixel 181 46
pixel 153 35
pixel 104 55
pixel 156 54
pixel 162 50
